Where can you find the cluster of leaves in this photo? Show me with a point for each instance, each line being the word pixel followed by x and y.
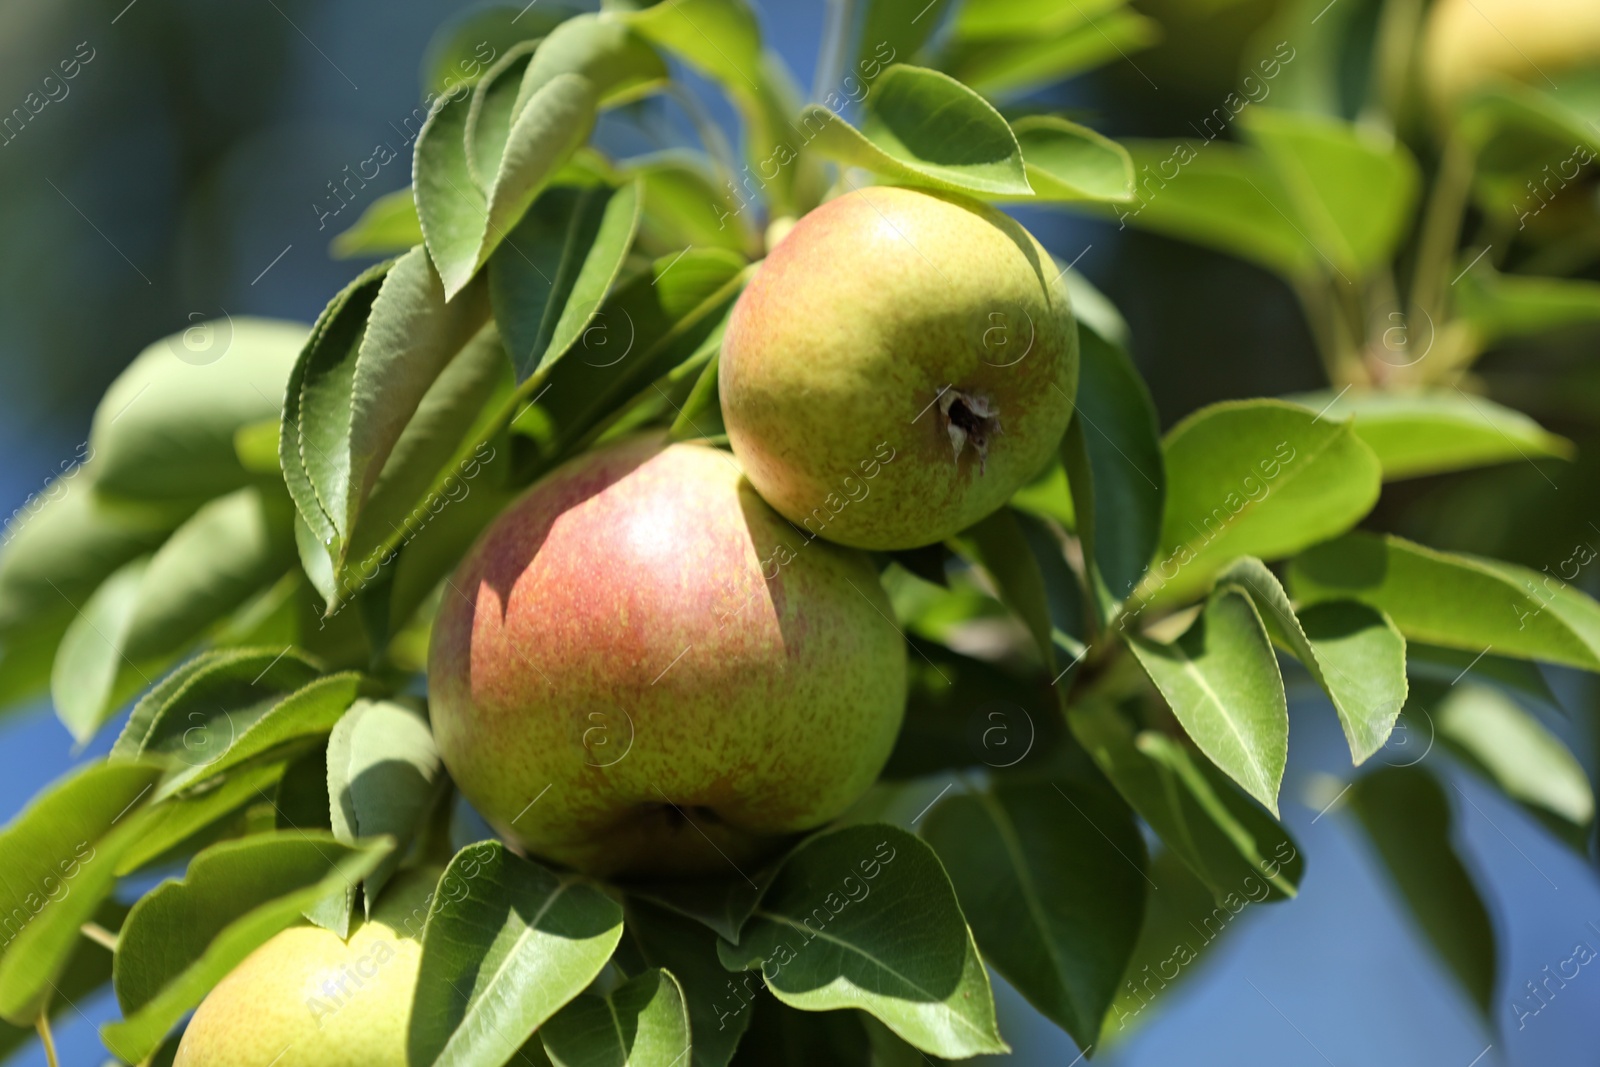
pixel 260 534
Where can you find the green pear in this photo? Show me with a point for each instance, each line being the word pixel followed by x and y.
pixel 640 668
pixel 306 998
pixel 1471 43
pixel 901 363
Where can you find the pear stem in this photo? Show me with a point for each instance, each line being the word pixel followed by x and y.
pixel 42 1024
pixel 99 934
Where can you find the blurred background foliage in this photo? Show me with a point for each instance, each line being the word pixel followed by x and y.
pixel 187 171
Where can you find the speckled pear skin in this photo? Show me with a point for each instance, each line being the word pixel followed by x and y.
pixel 837 350
pixel 312 1000
pixel 640 668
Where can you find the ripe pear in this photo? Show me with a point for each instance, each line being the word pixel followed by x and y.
pixel 640 668
pixel 1471 43
pixel 900 364
pixel 306 998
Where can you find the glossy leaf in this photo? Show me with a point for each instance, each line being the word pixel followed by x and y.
pixel 1116 469
pixel 177 718
pixel 164 430
pixel 90 677
pixel 1052 879
pixel 1407 818
pixel 387 227
pixel 642 1023
pixel 184 936
pixel 439 461
pixel 1226 839
pixel 60 856
pixel 1068 162
pixel 1222 197
pixel 383 777
pixel 1454 600
pixel 999 544
pixel 688 949
pixel 685 206
pixel 584 63
pixel 1222 682
pixel 922 127
pixel 1438 431
pixel 1255 478
pixel 865 917
pixel 507 944
pixel 1353 188
pixel 549 278
pixel 1353 653
pixel 1516 752
pixel 190 821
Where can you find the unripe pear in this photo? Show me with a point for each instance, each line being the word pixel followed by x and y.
pixel 901 363
pixel 640 668
pixel 1471 43
pixel 306 998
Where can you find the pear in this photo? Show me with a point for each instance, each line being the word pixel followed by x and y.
pixel 307 998
pixel 901 363
pixel 1471 43
pixel 640 668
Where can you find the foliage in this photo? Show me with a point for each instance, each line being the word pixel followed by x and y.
pixel 266 606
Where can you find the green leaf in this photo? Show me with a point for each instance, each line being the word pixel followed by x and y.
pixel 1225 838
pixel 471 39
pixel 549 278
pixel 684 206
pixel 231 548
pixel 179 717
pixel 898 27
pixel 922 127
pixel 585 63
pixel 1354 653
pixel 184 936
pixel 222 738
pixel 1516 677
pixel 963 712
pixel 387 227
pixel 90 677
pixel 1407 817
pixel 1069 162
pixel 411 336
pixel 831 932
pixel 86 974
pixel 1222 197
pixel 1255 478
pixel 1498 306
pixel 59 856
pixel 1181 918
pixel 1222 682
pixel 164 430
pixel 1354 188
pixel 507 944
pixel 383 778
pixel 719 904
pixel 1437 431
pixel 59 546
pixel 1060 42
pixel 999 545
pixel 316 406
pixel 439 459
pixel 647 327
pixel 1516 752
pixel 642 1023
pixel 1053 879
pixel 722 40
pixel 688 949
pixel 191 820
pixel 700 415
pixel 1453 600
pixel 1116 469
